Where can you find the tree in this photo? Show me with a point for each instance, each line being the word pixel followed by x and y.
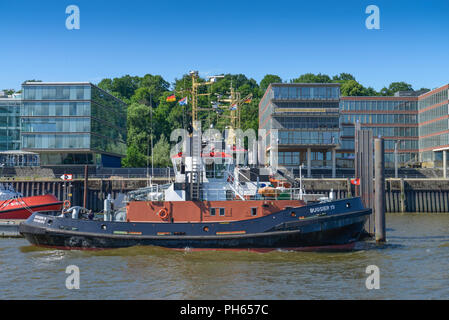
pixel 125 86
pixel 353 88
pixel 312 78
pixel 395 87
pixel 370 91
pixel 342 77
pixel 143 95
pixel 161 153
pixel 138 135
pixel 134 158
pixel 267 80
pixel 156 85
pixel 9 91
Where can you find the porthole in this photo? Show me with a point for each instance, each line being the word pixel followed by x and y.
pixel 206 229
pixel 348 205
pixel 103 227
pixel 50 221
pixel 293 214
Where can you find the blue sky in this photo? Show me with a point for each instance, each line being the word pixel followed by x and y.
pixel 287 38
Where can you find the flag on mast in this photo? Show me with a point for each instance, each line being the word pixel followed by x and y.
pixel 183 101
pixel 171 98
pixel 234 106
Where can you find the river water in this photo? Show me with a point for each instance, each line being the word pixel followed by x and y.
pixel 413 265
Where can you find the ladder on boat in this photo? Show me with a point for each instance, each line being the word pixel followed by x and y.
pixel 196 176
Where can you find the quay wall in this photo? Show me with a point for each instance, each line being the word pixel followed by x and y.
pixel 402 195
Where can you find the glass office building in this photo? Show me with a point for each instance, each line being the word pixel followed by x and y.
pixel 433 117
pixel 393 118
pixel 306 117
pixel 9 122
pixel 73 124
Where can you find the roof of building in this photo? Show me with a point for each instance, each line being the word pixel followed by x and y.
pixel 305 84
pixel 17 152
pixel 54 83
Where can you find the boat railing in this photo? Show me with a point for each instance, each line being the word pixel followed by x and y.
pixel 236 187
pixel 273 194
pixel 150 193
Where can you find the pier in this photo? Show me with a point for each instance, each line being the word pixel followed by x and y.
pixel 10 229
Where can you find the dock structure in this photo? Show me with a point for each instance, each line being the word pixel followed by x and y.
pixel 379 201
pixel 364 169
pixel 10 228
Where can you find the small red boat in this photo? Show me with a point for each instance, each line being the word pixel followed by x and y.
pixel 14 206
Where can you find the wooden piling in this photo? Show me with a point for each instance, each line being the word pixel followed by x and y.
pixel 86 174
pixel 402 197
pixel 379 167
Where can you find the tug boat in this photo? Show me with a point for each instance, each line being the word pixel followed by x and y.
pixel 16 207
pixel 212 204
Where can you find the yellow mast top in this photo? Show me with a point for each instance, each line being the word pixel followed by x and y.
pixel 235 101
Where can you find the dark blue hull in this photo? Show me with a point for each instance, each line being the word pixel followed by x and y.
pixel 326 224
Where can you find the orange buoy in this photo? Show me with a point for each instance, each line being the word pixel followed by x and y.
pixel 66 204
pixel 163 213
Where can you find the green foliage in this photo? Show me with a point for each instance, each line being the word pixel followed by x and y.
pixel 8 91
pixel 353 88
pixel 312 78
pixel 138 140
pixel 124 86
pixel 267 80
pixel 395 87
pixel 134 158
pixel 343 77
pixel 161 153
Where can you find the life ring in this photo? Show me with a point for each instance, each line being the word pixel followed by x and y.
pixel 163 213
pixel 66 204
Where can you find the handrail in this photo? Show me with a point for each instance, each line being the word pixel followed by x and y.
pixel 237 190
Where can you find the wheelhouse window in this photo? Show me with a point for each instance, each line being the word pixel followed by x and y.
pixel 212 211
pixel 254 211
pixel 222 212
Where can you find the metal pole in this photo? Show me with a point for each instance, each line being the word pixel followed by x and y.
pixel 379 205
pixel 86 175
pixel 152 151
pixel 148 164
